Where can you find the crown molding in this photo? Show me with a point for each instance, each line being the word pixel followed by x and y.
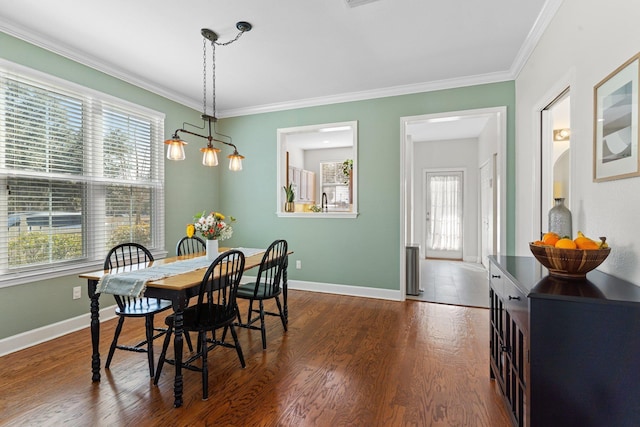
pixel 90 61
pixel 371 94
pixel 542 22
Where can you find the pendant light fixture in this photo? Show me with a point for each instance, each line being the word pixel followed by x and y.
pixel 175 145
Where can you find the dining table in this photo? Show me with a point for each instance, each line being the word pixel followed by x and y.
pixel 178 289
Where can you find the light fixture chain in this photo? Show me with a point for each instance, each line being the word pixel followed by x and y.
pixel 213 76
pixel 204 76
pixel 230 41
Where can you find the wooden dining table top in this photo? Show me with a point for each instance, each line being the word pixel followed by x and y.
pixel 176 282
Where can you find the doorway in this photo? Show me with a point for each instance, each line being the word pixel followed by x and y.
pixel 443 214
pixel 556 155
pixel 489 128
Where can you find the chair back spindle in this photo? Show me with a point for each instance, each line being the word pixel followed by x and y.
pixel 190 245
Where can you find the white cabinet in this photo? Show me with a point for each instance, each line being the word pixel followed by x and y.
pixel 304 184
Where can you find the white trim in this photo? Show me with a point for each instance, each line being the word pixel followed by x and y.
pixel 406 178
pixel 563 84
pixel 317 214
pixel 544 19
pixel 281 168
pixel 48 332
pixel 370 94
pixel 347 290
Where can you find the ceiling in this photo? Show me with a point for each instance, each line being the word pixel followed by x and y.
pixel 299 53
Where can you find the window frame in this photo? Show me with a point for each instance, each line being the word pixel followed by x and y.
pixel 281 136
pixel 94 104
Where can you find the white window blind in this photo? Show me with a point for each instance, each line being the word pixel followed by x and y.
pixel 81 172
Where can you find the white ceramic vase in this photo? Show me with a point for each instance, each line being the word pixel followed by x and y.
pixel 212 249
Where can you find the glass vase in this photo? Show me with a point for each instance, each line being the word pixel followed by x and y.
pixel 560 219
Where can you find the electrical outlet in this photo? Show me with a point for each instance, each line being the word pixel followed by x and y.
pixel 298 264
pixel 77 293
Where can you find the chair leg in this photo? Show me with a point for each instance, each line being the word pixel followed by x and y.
pixel 238 315
pixel 202 336
pixel 112 349
pixel 148 320
pixel 263 329
pixel 187 338
pixel 250 311
pixel 237 344
pixel 163 354
pixel 282 318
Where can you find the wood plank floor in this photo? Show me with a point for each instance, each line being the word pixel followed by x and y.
pixel 345 361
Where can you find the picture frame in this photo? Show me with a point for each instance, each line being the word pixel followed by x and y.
pixel 615 123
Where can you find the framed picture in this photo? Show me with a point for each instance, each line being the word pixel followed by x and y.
pixel 615 133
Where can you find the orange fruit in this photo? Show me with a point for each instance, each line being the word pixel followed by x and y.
pixel 586 243
pixel 550 238
pixel 566 243
pixel 538 243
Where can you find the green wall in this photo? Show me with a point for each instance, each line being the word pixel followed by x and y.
pixel 360 252
pixel 188 184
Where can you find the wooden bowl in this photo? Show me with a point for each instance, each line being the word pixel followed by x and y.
pixel 569 263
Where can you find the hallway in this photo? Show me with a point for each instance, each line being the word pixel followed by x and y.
pixel 453 282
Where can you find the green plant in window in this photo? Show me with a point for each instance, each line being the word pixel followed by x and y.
pixel 290 194
pixel 347 167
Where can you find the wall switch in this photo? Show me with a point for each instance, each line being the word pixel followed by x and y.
pixel 77 293
pixel 298 264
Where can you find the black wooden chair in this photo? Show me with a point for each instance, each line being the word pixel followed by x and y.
pixel 216 309
pixel 119 256
pixel 190 245
pixel 267 286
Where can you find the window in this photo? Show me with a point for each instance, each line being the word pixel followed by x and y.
pixel 81 172
pixel 318 160
pixel 335 184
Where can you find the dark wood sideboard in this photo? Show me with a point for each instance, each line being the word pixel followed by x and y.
pixel 564 352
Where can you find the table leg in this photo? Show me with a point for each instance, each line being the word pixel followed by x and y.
pixel 178 341
pixel 285 288
pixel 95 329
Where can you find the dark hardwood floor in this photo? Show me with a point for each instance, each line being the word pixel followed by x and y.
pixel 345 361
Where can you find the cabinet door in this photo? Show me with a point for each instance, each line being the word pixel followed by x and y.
pixel 496 334
pixel 303 186
pixel 515 361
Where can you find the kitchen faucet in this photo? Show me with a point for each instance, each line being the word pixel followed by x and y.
pixel 324 206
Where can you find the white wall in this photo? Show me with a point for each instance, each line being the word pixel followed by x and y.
pixel 586 41
pixel 442 155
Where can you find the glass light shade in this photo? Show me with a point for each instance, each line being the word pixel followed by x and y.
pixel 235 162
pixel 175 149
pixel 209 156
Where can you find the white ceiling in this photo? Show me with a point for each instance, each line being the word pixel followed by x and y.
pixel 299 53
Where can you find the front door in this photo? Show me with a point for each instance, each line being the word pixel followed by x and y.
pixel 443 214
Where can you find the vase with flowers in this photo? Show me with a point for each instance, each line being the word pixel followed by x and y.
pixel 213 228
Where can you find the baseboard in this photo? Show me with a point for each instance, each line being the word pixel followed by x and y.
pixel 355 291
pixel 36 336
pixel 45 333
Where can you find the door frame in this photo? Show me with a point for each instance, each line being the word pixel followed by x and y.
pixel 407 184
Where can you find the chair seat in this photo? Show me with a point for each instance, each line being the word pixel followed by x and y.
pixel 144 307
pixel 247 290
pixel 209 316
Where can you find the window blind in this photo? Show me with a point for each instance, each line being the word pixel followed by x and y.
pixel 81 172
